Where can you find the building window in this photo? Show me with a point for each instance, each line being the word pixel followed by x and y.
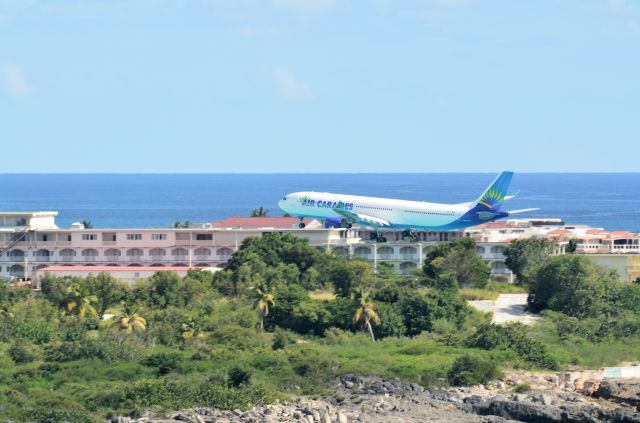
pixel 134 237
pixel 109 237
pixel 88 237
pixel 204 237
pixel 158 237
pixel 181 236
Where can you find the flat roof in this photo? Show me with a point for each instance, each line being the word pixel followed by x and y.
pixel 24 213
pixel 112 269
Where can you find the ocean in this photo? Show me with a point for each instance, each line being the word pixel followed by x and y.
pixel 611 201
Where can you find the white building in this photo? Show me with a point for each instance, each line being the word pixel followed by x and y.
pixel 30 242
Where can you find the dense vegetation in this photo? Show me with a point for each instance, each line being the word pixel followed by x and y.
pixel 284 319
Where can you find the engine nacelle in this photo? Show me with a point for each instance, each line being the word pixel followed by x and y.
pixel 333 222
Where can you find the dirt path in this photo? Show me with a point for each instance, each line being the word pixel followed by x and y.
pixel 506 308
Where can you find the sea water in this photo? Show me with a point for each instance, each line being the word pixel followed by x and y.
pixel 611 201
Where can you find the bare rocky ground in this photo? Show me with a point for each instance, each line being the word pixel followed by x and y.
pixel 579 397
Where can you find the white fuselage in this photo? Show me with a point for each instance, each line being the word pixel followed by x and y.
pixel 400 213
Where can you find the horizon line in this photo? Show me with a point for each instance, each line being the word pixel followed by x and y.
pixel 324 173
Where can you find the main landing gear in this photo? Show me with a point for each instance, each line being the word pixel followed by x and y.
pixel 301 225
pixel 408 233
pixel 378 237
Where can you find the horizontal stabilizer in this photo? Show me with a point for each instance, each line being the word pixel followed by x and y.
pixel 483 215
pixel 521 211
pixel 512 196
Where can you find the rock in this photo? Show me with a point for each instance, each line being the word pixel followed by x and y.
pixel 590 387
pixel 416 388
pixel 391 400
pixel 625 391
pixel 541 398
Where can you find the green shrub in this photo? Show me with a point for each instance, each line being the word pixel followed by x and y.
pixel 391 322
pixel 433 379
pixel 282 338
pixel 336 336
pixel 469 370
pixel 165 362
pixel 420 311
pixel 521 388
pixel 23 352
pixel 153 393
pixel 57 415
pixel 111 399
pixel 238 376
pixel 513 337
pixel 68 351
pixel 237 338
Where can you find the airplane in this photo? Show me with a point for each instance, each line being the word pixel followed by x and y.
pixel 340 210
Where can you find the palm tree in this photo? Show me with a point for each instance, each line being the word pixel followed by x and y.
pixel 259 212
pixel 262 301
pixel 6 315
pixel 366 314
pixel 130 321
pixel 80 302
pixel 192 329
pixel 87 224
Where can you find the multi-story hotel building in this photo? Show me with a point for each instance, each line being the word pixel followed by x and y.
pixel 30 241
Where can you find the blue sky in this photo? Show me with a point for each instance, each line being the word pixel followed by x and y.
pixel 319 85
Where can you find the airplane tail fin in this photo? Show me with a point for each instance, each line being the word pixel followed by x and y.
pixel 492 198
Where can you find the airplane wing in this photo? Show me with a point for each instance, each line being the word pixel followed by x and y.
pixel 362 218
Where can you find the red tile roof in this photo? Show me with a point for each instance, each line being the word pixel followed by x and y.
pixel 496 225
pixel 98 269
pixel 558 232
pixel 260 222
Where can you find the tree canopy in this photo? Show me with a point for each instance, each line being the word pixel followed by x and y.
pixel 458 258
pixel 525 256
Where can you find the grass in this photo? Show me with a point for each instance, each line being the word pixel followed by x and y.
pixel 491 291
pixel 505 288
pixel 475 294
pixel 321 295
pixel 95 388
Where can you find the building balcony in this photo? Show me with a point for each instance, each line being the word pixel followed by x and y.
pixel 408 256
pixel 204 258
pixel 113 259
pixel 66 259
pixel 179 258
pixel 12 259
pixel 386 256
pixel 364 256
